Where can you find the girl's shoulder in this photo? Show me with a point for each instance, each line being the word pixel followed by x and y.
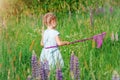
pixel 55 31
pixel 51 31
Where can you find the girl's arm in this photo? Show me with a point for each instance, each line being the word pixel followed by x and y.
pixel 61 43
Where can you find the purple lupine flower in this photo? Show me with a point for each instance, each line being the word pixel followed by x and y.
pixel 42 72
pixel 99 39
pixel 39 70
pixel 35 71
pixel 74 67
pixel 72 62
pixel 59 74
pixel 77 71
pixel 46 69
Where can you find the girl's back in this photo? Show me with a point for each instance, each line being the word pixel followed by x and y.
pixel 49 37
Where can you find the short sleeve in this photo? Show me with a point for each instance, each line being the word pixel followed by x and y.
pixel 56 33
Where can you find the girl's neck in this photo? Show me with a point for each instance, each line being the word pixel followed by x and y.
pixel 50 27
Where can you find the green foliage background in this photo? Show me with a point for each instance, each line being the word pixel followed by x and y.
pixel 20 33
pixel 17 7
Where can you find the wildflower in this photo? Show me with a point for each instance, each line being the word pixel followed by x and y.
pixel 35 72
pixel 44 70
pixel 74 67
pixel 77 71
pixel 59 74
pixel 72 62
pixel 39 70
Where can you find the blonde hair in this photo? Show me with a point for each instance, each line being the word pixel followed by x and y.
pixel 48 17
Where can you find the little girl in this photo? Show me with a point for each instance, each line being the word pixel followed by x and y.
pixel 51 38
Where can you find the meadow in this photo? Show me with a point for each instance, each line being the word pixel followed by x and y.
pixel 21 35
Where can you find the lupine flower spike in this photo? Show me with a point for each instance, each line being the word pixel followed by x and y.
pixel 35 71
pixel 59 74
pixel 39 70
pixel 115 76
pixel 112 36
pixel 77 71
pixel 42 72
pixel 46 69
pixel 72 65
pixel 72 61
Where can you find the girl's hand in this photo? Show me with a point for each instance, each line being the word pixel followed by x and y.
pixel 67 43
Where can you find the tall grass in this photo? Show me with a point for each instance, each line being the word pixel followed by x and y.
pixel 23 35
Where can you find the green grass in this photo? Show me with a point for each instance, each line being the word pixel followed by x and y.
pixel 21 37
